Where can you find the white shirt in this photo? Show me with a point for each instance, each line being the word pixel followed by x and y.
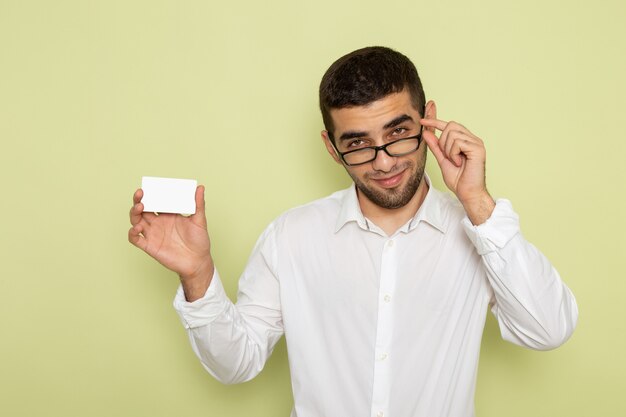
pixel 377 325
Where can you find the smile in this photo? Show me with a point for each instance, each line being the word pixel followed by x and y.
pixel 390 182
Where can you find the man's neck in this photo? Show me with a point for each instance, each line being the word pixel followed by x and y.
pixel 390 220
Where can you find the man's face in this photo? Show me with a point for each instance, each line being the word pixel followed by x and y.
pixel 388 182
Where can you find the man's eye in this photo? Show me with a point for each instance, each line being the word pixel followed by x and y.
pixel 399 131
pixel 356 143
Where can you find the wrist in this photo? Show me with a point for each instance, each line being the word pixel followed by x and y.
pixel 479 207
pixel 196 284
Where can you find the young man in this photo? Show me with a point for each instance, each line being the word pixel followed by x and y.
pixel 382 289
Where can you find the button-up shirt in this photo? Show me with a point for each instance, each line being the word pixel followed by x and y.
pixel 377 325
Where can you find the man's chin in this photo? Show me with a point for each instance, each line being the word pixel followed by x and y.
pixel 391 197
pixel 387 198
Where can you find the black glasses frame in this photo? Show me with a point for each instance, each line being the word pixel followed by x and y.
pixel 381 148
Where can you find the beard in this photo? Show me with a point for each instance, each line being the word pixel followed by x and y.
pixel 392 198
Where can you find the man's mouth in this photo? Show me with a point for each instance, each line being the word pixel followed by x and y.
pixel 390 182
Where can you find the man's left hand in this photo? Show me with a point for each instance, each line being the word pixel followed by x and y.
pixel 461 157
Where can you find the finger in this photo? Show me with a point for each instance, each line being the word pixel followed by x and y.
pixel 458 127
pixel 452 126
pixel 135 236
pixel 447 138
pixel 443 125
pixel 136 213
pixel 436 123
pixel 444 138
pixel 452 133
pixel 452 138
pixel 456 152
pixel 464 148
pixel 457 135
pixel 461 128
pixel 137 196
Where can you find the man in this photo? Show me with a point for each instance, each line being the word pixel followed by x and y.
pixel 382 289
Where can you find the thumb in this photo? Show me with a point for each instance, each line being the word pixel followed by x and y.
pixel 199 215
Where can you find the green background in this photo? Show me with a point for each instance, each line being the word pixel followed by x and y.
pixel 95 94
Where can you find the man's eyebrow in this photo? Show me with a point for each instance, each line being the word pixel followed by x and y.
pixel 398 120
pixel 395 122
pixel 351 135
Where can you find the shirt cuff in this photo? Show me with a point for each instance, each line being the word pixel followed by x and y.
pixel 203 310
pixel 497 231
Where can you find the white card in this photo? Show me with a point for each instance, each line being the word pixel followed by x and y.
pixel 169 195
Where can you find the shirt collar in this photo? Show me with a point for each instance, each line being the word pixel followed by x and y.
pixel 350 210
pixel 431 211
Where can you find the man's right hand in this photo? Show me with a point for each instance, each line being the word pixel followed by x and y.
pixel 179 243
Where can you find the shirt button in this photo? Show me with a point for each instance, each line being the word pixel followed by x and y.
pixel 382 357
pixel 387 298
pixel 380 414
pixel 390 243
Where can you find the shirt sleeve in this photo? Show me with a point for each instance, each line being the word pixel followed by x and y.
pixel 533 306
pixel 233 341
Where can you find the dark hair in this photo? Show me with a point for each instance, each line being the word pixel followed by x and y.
pixel 366 75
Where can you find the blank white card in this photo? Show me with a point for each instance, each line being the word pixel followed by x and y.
pixel 169 195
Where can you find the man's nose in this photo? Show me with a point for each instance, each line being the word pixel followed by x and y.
pixel 383 162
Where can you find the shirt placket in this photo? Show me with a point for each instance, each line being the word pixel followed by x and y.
pixel 384 330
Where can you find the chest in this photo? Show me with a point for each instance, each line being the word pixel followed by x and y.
pixel 351 275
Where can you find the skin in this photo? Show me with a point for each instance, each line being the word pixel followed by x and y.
pixel 182 243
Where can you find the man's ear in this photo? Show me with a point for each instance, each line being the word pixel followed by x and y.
pixel 430 112
pixel 329 147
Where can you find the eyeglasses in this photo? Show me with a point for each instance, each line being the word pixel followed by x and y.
pixel 367 154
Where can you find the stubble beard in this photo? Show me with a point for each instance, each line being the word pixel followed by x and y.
pixel 392 198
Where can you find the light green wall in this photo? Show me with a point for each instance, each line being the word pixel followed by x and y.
pixel 95 94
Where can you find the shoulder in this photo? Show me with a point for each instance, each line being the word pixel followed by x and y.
pixel 318 214
pixel 444 210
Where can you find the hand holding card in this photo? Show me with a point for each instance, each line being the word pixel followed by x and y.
pixel 180 243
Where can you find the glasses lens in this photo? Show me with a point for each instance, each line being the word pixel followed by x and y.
pixel 359 157
pixel 403 146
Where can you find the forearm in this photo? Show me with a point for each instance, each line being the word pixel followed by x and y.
pixel 232 342
pixel 229 350
pixel 533 306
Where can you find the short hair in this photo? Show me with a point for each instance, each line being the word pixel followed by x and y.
pixel 367 75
